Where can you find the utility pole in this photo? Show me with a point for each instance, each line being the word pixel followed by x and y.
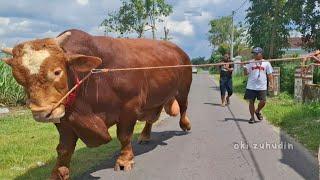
pixel 232 36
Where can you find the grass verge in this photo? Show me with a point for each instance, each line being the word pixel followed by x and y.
pixel 301 121
pixel 28 148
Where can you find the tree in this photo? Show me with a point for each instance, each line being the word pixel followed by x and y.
pixel 305 15
pixel 155 10
pixel 199 60
pixel 269 26
pixel 136 15
pixel 220 34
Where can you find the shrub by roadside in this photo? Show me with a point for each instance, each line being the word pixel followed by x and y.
pixel 11 93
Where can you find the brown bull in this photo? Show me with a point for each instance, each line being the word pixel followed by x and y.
pixel 48 68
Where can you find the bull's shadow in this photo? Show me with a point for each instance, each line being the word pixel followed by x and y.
pixel 157 139
pixel 89 160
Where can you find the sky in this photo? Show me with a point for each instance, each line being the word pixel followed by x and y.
pixel 22 20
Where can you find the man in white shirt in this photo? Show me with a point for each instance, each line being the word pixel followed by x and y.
pixel 259 73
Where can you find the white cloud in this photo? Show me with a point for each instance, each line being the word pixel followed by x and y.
pixel 50 34
pixel 25 20
pixel 181 27
pixel 4 21
pixel 83 2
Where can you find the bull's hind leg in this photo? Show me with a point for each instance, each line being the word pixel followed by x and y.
pixel 182 99
pixel 150 117
pixel 145 135
pixel 125 128
pixel 184 122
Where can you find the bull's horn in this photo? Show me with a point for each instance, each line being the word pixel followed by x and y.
pixel 60 39
pixel 7 50
pixel 6 60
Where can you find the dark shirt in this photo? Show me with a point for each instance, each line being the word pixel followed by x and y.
pixel 225 74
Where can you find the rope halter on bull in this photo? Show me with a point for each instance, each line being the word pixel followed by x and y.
pixel 314 56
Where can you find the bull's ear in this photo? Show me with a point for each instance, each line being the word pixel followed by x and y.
pixel 82 63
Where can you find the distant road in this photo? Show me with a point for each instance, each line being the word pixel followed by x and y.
pixel 212 150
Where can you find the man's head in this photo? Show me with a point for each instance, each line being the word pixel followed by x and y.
pixel 40 66
pixel 226 57
pixel 257 53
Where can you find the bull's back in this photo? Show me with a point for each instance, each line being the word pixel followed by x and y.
pixel 157 85
pixel 153 86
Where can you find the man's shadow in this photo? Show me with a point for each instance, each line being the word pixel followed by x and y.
pixel 157 139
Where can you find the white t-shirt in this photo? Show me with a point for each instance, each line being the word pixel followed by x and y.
pixel 257 78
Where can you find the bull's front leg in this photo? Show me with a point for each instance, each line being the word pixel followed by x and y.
pixel 125 128
pixel 65 149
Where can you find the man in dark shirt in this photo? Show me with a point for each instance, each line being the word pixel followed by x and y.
pixel 226 80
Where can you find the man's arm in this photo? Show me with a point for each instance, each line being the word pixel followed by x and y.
pixel 270 77
pixel 231 68
pixel 245 69
pixel 271 82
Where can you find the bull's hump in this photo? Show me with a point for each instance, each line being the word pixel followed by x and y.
pixel 32 59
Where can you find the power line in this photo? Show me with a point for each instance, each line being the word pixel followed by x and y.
pixel 241 6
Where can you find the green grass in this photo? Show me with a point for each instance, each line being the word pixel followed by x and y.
pixel 301 121
pixel 24 143
pixel 11 93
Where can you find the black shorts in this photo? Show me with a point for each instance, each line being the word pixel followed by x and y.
pixel 255 94
pixel 226 86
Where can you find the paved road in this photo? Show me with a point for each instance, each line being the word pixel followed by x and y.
pixel 213 149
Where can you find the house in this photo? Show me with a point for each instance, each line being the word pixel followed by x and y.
pixel 295 46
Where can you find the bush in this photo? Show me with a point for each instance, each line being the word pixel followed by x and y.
pixel 11 93
pixel 287 77
pixel 316 75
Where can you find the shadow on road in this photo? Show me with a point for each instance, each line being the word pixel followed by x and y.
pixel 215 88
pixel 213 104
pixel 236 119
pixel 158 139
pixel 297 158
pixel 253 158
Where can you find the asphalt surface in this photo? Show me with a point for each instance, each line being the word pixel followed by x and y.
pixel 216 147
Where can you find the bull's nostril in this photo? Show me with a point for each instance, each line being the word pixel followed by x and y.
pixel 48 115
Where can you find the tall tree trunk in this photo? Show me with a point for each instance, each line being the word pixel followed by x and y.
pixel 153 22
pixel 273 28
pixel 166 33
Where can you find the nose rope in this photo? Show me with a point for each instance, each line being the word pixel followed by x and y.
pixel 70 92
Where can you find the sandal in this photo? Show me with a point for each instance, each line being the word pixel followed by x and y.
pixel 251 121
pixel 259 116
pixel 228 101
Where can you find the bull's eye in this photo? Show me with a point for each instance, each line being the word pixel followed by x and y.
pixel 57 72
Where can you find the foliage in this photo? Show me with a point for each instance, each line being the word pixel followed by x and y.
pixel 305 14
pixel 199 60
pixel 135 15
pixel 11 93
pixel 23 150
pixel 269 26
pixel 215 58
pixel 220 34
pixel 287 76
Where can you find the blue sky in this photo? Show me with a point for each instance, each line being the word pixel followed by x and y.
pixel 22 20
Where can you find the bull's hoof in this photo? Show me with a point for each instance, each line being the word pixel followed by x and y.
pixel 61 173
pixel 126 165
pixel 185 124
pixel 144 139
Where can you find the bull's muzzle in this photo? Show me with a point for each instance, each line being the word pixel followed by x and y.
pixel 47 115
